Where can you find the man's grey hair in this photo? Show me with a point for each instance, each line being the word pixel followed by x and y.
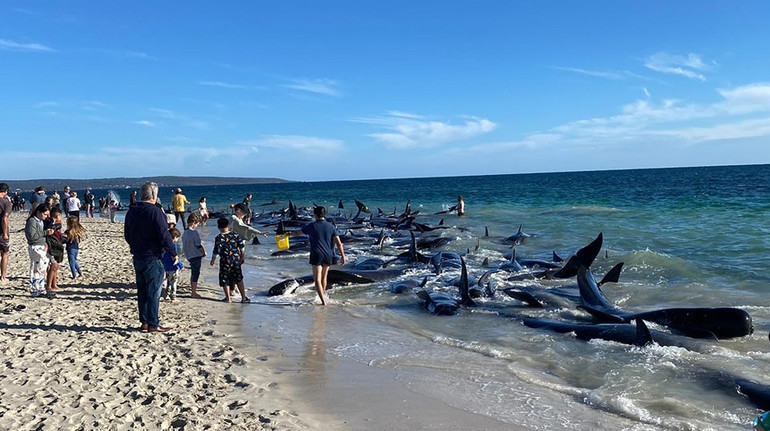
pixel 148 191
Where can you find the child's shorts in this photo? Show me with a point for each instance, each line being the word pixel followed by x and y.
pixel 230 277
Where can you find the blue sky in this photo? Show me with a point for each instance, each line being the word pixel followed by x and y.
pixel 326 90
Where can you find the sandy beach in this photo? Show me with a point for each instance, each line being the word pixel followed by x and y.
pixel 78 361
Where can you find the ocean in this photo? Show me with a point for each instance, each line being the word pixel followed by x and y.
pixel 688 237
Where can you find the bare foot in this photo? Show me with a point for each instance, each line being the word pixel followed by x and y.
pixel 194 295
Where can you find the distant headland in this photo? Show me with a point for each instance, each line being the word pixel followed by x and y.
pixel 124 183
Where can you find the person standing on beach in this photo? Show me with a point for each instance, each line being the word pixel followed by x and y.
pixel 193 251
pixel 232 252
pixel 73 204
pixel 172 266
pixel 323 236
pixel 74 234
pixel 38 197
pixel 239 225
pixel 64 196
pixel 55 246
pixel 88 199
pixel 178 203
pixel 37 247
pixel 5 237
pixel 146 232
pixel 113 210
pixel 133 198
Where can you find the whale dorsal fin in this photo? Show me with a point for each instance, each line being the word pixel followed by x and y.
pixel 612 275
pixel 643 336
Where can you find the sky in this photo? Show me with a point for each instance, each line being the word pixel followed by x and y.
pixel 342 90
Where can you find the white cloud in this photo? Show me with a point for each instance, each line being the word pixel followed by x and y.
pixel 690 66
pixel 137 54
pixel 145 123
pixel 531 141
pixel 409 130
pixel 92 105
pixel 598 74
pixel 223 85
pixel 742 113
pixel 718 132
pixel 306 144
pixel 47 104
pixel 746 99
pixel 326 87
pixel 9 45
pixel 181 119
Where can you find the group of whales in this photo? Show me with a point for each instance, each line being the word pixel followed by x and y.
pixel 693 328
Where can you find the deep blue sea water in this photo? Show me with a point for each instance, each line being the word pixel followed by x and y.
pixel 688 237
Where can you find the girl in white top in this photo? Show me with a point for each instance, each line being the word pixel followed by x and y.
pixel 73 204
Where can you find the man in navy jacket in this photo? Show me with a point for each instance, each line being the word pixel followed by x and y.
pixel 146 231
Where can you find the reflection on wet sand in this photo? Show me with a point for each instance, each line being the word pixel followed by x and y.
pixel 315 365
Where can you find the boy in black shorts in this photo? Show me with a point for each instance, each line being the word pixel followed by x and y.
pixel 231 251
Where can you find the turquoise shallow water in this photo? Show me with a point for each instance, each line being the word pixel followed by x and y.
pixel 688 237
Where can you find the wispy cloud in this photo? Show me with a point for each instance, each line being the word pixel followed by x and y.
pixel 137 54
pixel 182 119
pixel 616 76
pixel 93 105
pixel 9 45
pixel 690 66
pixel 146 123
pixel 47 104
pixel 326 87
pixel 742 112
pixel 305 144
pixel 409 130
pixel 223 85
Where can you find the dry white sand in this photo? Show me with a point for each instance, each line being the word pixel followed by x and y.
pixel 79 361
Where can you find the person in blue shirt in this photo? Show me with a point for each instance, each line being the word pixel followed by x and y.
pixel 146 232
pixel 323 236
pixel 172 265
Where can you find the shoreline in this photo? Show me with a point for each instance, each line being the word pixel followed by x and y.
pixel 334 392
pixel 78 361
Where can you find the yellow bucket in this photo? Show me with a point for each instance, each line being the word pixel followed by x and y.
pixel 282 241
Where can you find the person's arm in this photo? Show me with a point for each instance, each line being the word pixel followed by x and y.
pixel 6 221
pixel 241 228
pixel 338 241
pixel 215 252
pixel 162 227
pixel 198 243
pixel 241 244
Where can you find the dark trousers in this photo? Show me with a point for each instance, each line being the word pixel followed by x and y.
pixel 179 215
pixel 149 279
